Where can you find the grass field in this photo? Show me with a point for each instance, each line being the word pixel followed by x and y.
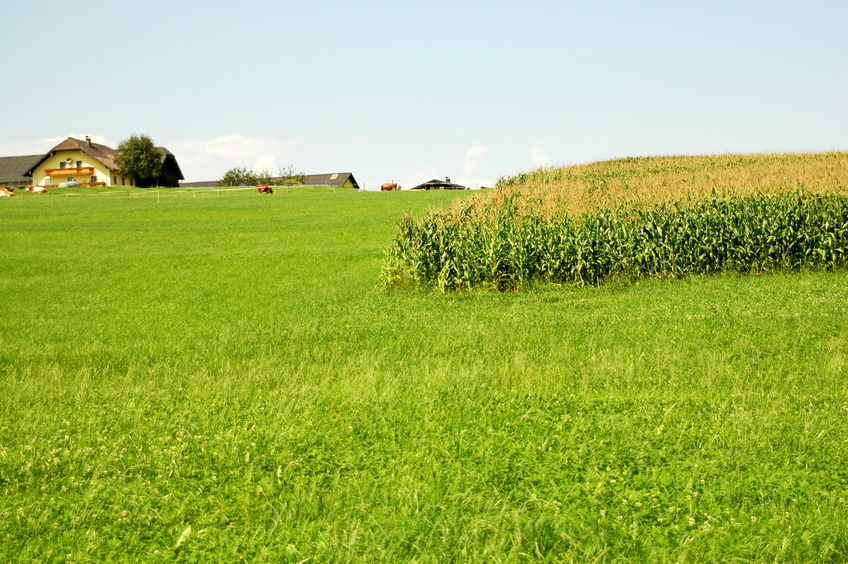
pixel 219 377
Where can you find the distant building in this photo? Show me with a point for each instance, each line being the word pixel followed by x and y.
pixel 170 175
pixel 333 180
pixel 13 171
pixel 436 184
pixel 336 180
pixel 91 164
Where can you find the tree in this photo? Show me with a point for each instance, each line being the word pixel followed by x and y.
pixel 264 176
pixel 139 159
pixel 290 176
pixel 239 176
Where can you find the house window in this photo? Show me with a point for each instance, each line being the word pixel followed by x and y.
pixel 63 164
pixel 48 181
pixel 114 181
pixel 79 164
pixel 93 179
pixel 71 179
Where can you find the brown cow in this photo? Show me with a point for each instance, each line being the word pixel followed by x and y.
pixel 7 193
pixel 265 189
pixel 37 189
pixel 389 186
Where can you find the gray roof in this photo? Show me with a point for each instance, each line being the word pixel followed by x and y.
pixel 336 180
pixel 166 155
pixel 14 169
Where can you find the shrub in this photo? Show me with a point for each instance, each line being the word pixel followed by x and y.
pixel 240 176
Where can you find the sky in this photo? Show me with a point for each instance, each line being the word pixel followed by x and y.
pixel 407 91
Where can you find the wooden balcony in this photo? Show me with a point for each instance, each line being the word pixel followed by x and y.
pixel 78 171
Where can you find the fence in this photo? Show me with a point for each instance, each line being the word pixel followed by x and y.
pixel 54 194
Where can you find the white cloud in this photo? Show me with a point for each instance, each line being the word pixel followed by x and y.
pixel 243 147
pixel 473 156
pixel 539 157
pixel 469 174
pixel 209 160
pixel 266 162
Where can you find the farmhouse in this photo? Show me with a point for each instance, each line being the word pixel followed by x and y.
pixel 13 171
pixel 435 184
pixel 92 164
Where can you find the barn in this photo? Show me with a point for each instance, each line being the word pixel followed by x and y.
pixel 13 171
pixel 334 180
pixel 170 175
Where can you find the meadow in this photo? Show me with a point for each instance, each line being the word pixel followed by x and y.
pixel 221 377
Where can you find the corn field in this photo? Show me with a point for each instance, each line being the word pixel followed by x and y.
pixel 651 180
pixel 516 243
pixel 635 218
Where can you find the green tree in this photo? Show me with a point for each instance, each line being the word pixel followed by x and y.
pixel 139 159
pixel 290 176
pixel 239 176
pixel 264 176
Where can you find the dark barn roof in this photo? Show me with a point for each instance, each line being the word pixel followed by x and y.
pixel 170 166
pixel 336 180
pixel 170 175
pixel 14 169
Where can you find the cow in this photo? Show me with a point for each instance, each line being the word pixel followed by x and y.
pixel 37 189
pixel 7 193
pixel 265 189
pixel 389 186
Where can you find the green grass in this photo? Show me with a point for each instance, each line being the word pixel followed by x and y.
pixel 219 376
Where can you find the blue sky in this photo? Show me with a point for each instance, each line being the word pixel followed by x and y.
pixel 408 91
